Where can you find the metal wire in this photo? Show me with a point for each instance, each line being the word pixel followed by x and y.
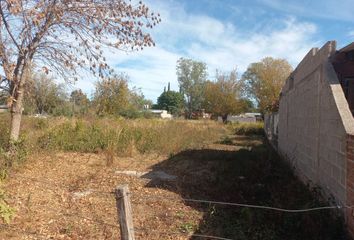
pixel 246 205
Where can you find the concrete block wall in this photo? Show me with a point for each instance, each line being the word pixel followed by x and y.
pixel 312 135
pixel 271 128
pixel 316 127
pixel 350 183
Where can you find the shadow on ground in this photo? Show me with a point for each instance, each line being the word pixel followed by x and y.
pixel 253 175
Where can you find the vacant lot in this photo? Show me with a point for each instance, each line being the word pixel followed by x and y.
pixel 64 188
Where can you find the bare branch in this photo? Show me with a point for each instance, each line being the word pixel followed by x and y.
pixel 8 28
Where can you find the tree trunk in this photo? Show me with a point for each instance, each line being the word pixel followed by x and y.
pixel 224 118
pixel 16 115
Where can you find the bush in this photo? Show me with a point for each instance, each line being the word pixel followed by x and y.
pixel 247 128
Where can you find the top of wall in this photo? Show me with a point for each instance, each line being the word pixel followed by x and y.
pixel 313 61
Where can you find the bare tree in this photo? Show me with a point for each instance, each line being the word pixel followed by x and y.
pixel 62 36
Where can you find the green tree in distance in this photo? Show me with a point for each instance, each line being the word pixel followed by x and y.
pixel 191 77
pixel 171 101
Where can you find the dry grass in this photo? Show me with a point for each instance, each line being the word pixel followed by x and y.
pixel 115 136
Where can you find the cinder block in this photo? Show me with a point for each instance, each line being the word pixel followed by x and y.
pixel 336 173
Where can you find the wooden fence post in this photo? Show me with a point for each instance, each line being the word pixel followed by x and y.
pixel 124 213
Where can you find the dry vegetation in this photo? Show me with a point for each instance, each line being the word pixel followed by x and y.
pixel 118 136
pixel 63 189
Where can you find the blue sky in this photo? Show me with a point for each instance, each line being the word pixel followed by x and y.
pixel 229 34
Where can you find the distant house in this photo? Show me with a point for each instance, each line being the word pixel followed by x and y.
pixel 161 113
pixel 3 108
pixel 245 117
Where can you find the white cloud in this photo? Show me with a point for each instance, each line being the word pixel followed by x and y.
pixel 351 34
pixel 290 42
pixel 223 45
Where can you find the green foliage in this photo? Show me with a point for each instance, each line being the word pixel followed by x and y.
pixel 171 101
pixel 191 76
pixel 263 81
pixel 256 128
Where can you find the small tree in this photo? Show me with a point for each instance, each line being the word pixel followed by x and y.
pixel 191 77
pixel 171 101
pixel 112 95
pixel 64 36
pixel 263 81
pixel 43 94
pixel 138 100
pixel 79 101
